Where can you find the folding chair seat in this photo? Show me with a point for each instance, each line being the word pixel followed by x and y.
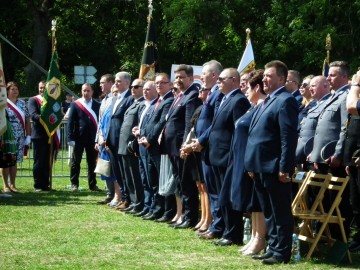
pixel 308 211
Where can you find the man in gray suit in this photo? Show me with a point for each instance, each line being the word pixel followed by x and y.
pixel 332 120
pixel 320 91
pixel 331 127
pixel 130 162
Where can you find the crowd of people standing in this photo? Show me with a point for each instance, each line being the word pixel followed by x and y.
pixel 230 145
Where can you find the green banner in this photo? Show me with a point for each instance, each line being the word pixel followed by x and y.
pixel 51 114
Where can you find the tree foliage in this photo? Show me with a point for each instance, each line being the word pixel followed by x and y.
pixel 109 34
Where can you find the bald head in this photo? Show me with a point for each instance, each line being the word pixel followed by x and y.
pixel 149 90
pixel 319 87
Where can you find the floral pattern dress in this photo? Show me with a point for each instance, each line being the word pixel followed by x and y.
pixel 17 128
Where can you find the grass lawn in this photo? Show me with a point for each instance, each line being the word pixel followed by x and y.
pixel 66 230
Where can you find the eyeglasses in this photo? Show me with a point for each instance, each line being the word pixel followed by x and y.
pixel 221 79
pixel 204 89
pixel 159 83
pixel 180 77
pixel 303 85
pixel 289 81
pixel 136 86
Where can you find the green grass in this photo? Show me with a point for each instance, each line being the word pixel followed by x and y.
pixel 66 230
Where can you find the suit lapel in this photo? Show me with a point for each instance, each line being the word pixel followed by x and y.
pixel 226 103
pixel 260 110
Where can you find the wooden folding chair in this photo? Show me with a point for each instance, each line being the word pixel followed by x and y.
pixel 309 212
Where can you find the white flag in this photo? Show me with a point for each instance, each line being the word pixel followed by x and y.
pixel 3 97
pixel 247 61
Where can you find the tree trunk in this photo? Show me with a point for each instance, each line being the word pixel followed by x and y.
pixel 41 46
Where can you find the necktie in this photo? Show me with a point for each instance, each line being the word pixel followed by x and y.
pixel 118 100
pixel 262 107
pixel 223 100
pixel 157 103
pixel 177 99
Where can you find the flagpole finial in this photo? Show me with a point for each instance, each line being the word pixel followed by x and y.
pixel 150 6
pixel 248 32
pixel 53 30
pixel 328 42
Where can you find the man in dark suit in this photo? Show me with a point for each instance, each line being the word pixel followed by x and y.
pixel 119 106
pixel 82 128
pixel 270 160
pixel 177 126
pixel 209 75
pixel 292 85
pixel 352 144
pixel 163 208
pixel 39 138
pixel 130 162
pixel 233 105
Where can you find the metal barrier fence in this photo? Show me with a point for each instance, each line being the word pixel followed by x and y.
pixel 61 166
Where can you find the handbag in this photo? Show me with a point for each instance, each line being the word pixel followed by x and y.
pixel 103 167
pixel 8 148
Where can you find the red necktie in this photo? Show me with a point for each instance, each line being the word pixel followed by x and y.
pixel 177 99
pixel 157 103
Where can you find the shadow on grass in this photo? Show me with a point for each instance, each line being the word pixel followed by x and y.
pixel 54 198
pixel 324 254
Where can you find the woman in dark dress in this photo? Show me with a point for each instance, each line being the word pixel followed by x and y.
pixel 193 167
pixel 242 194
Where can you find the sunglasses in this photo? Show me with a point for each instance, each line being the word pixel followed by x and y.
pixel 136 86
pixel 204 89
pixel 221 79
pixel 303 85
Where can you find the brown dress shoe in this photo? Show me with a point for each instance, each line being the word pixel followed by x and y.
pixel 209 236
pixel 122 205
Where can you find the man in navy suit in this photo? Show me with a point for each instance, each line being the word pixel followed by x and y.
pixel 177 126
pixel 209 75
pixel 82 128
pixel 292 85
pixel 119 106
pixel 162 208
pixel 217 139
pixel 270 160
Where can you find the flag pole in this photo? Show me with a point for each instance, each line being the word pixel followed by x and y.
pixel 248 32
pixel 328 47
pixel 52 152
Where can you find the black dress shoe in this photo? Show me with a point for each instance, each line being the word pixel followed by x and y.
pixel 150 217
pixel 141 214
pixel 95 188
pixel 147 215
pixel 133 211
pixel 106 201
pixel 274 260
pixel 224 242
pixel 185 225
pixel 171 222
pixel 177 223
pixel 163 219
pixel 267 255
pixel 128 209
